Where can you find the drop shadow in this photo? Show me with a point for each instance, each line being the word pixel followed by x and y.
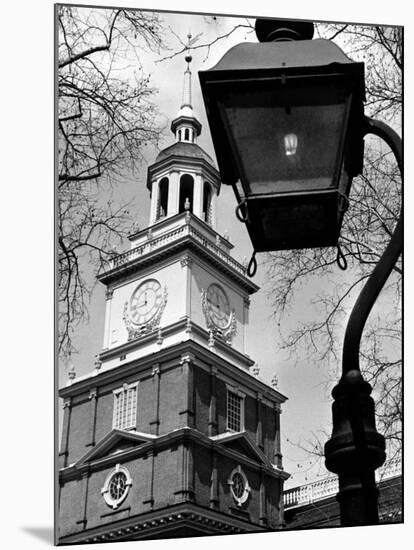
pixel 43 533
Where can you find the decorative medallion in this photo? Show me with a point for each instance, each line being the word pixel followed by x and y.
pixel 220 317
pixel 239 486
pixel 116 486
pixel 143 311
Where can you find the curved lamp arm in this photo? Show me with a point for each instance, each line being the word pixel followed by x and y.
pixel 377 279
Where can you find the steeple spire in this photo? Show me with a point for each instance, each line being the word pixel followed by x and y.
pixel 187 100
pixel 185 126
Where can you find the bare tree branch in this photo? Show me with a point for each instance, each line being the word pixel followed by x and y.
pixel 105 120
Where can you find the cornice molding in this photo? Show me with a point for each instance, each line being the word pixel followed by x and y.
pixel 194 220
pixel 169 330
pixel 170 358
pixel 185 243
pixel 143 340
pixel 185 434
pixel 150 524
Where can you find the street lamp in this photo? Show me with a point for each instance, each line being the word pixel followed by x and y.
pixel 287 123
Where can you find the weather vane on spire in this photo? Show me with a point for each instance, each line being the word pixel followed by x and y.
pixel 190 42
pixel 187 75
pixel 188 56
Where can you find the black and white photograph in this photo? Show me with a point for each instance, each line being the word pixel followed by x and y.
pixel 229 196
pixel 206 319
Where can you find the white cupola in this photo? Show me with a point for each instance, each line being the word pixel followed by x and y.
pixel 184 176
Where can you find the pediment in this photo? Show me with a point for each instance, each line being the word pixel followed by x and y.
pixel 241 447
pixel 242 444
pixel 116 441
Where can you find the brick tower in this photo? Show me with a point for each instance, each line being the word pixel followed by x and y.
pixel 172 434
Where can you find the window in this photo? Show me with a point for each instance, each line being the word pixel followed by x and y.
pixel 116 486
pixel 186 193
pixel 207 203
pixel 187 135
pixel 162 207
pixel 235 411
pixel 125 407
pixel 239 486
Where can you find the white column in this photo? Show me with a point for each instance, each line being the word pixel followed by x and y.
pixel 246 306
pixel 213 206
pixel 154 202
pixel 108 304
pixel 198 196
pixel 173 193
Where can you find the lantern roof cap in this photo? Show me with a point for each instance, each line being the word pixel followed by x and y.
pixel 182 149
pixel 269 30
pixel 282 55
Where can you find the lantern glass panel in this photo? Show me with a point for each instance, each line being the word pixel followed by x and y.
pixel 286 139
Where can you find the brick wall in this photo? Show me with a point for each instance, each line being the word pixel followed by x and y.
pixel 180 472
pixel 172 389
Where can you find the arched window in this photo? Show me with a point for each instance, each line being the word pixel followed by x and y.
pixel 207 203
pixel 162 199
pixel 187 134
pixel 186 193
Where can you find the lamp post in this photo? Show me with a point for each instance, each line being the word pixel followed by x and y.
pixel 287 123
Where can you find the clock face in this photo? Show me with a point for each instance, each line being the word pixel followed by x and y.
pixel 145 302
pixel 218 306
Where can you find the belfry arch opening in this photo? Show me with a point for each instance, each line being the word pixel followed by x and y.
pixel 207 196
pixel 186 193
pixel 162 198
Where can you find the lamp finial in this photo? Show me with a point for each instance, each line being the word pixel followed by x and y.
pixel 278 30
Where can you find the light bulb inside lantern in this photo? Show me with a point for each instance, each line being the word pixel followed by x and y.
pixel 291 144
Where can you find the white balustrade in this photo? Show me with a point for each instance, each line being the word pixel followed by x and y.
pixel 328 486
pixel 166 238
